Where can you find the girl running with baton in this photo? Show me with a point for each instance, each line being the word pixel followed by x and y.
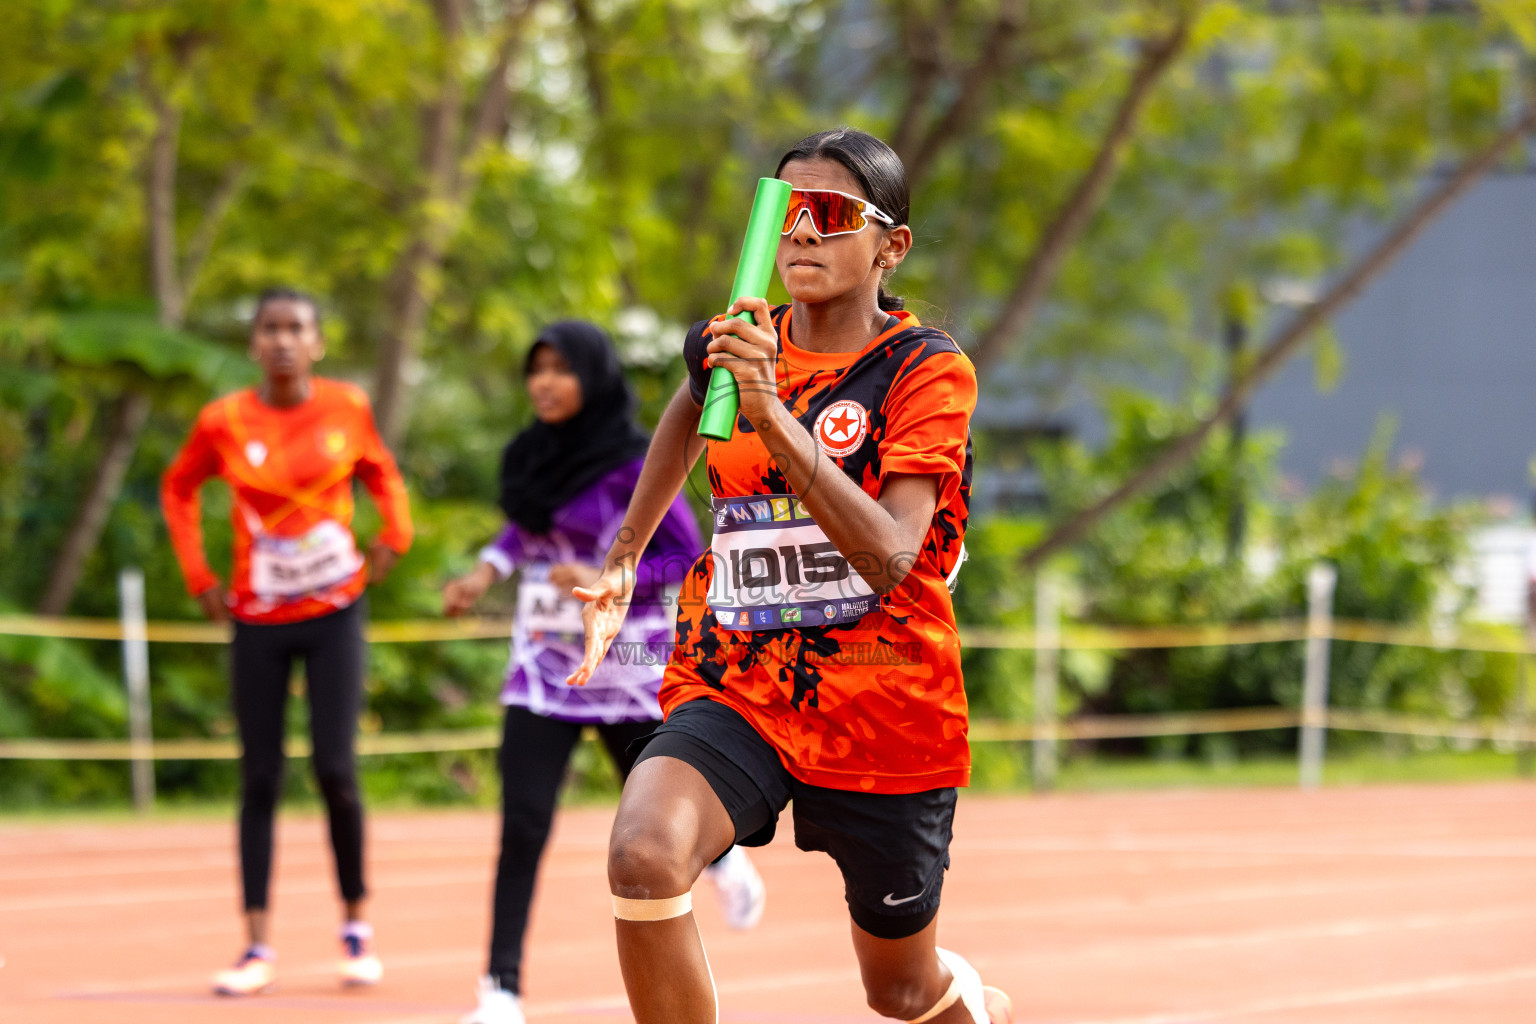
pixel 289 450
pixel 817 658
pixel 565 481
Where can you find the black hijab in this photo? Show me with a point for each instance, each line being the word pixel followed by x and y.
pixel 546 464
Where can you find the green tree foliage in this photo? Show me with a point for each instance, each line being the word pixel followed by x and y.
pixel 510 162
pixel 1163 559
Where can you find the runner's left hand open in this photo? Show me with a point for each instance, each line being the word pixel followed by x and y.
pixel 607 603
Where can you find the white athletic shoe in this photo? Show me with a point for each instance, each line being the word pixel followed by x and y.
pixel 999 1007
pixel 253 973
pixel 496 1005
pixel 740 888
pixel 359 964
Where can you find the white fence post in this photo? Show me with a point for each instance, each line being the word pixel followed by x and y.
pixel 1524 748
pixel 1314 692
pixel 130 593
pixel 1047 648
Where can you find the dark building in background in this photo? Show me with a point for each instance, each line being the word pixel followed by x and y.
pixel 1445 344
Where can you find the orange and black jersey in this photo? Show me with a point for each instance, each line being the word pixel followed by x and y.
pixel 875 704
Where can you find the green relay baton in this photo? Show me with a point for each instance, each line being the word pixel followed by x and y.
pixel 753 272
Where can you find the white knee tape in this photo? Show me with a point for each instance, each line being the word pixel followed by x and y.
pixel 967 984
pixel 945 1002
pixel 652 910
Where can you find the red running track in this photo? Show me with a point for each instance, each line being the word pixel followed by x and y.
pixel 1359 906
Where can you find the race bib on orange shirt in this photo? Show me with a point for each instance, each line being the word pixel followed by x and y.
pixel 284 567
pixel 774 568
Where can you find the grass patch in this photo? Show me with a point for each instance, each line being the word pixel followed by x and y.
pixel 1358 761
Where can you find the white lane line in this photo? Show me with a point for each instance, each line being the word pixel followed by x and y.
pixel 1129 950
pixel 952 915
pixel 1518 849
pixel 1340 997
pixel 760 983
pixel 1101 904
pixel 222 892
pixel 1370 993
pixel 568 866
pixel 314 917
pixel 845 976
pixel 467 956
pixel 1200 897
pixel 294 856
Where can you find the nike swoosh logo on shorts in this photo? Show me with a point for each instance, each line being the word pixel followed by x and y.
pixel 896 903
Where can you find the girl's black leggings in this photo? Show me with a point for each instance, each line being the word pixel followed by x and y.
pixel 333 652
pixel 533 757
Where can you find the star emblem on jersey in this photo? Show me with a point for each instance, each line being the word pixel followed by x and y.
pixel 255 453
pixel 841 428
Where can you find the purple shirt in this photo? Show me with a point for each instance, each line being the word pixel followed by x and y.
pixel 546 633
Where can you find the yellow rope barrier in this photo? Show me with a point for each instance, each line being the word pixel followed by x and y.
pixel 1088 727
pixel 1111 638
pixel 1103 727
pixel 432 742
pixel 406 631
pixel 1473 639
pixel 1073 638
pixel 1078 638
pixel 1497 730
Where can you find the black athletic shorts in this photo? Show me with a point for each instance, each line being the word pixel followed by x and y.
pixel 892 848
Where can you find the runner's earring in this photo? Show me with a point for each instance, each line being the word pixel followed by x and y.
pixel 882 263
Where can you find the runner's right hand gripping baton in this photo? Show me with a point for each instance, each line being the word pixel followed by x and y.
pixel 753 272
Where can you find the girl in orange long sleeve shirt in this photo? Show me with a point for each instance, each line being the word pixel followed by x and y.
pixel 289 450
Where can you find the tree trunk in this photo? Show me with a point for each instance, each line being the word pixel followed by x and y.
pixel 96 503
pixel 408 290
pixel 406 305
pixel 1045 263
pixel 161 201
pixel 922 41
pixel 925 42
pixel 446 188
pixel 198 248
pixel 605 142
pixel 133 408
pixel 1236 344
pixel 957 116
pixel 1289 340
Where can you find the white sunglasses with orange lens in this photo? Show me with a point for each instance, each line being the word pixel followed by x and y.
pixel 832 212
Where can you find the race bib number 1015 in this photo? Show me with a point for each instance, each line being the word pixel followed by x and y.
pixel 774 568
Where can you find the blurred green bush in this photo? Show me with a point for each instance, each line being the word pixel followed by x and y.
pixel 1168 558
